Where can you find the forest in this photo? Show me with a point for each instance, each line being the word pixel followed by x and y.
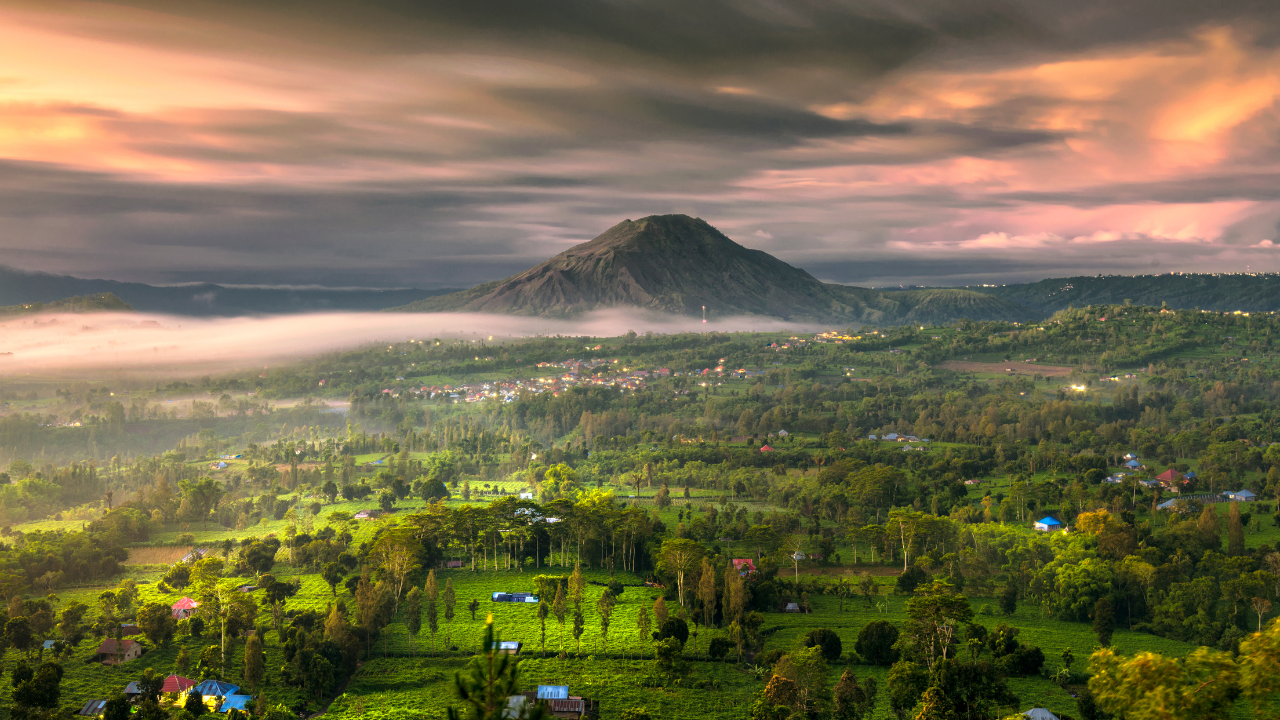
pixel 961 521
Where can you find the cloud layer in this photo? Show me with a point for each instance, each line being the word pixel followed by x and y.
pixel 392 143
pixel 159 345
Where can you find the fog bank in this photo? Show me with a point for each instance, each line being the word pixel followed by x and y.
pixel 139 343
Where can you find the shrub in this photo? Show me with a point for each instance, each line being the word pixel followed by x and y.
pixel 1023 662
pixel 719 647
pixel 912 578
pixel 673 628
pixel 635 713
pixel 875 643
pixel 828 641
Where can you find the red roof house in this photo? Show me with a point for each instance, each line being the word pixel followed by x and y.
pixel 744 566
pixel 177 684
pixel 184 608
pixel 1169 476
pixel 765 448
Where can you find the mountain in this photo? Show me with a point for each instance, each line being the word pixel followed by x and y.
pixel 106 302
pixel 22 288
pixel 678 264
pixel 1230 292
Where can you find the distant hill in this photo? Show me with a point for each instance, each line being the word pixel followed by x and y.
pixel 103 302
pixel 1248 293
pixel 678 264
pixel 18 287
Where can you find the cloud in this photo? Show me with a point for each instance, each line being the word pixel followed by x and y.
pixel 159 345
pixel 440 143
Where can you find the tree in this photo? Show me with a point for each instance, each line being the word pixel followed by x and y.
pixel 117 708
pixel 17 632
pixel 38 689
pixel 604 606
pixel 201 497
pixel 194 703
pixel 643 623
pixel 907 682
pixel 707 592
pixel 677 557
pixel 413 616
pixel 853 701
pixel 1009 599
pixel 668 658
pixel 450 600
pixel 544 611
pixel 577 585
pixel 1104 620
pixel 396 552
pixel 261 556
pixel 808 670
pixel 332 575
pixel 254 662
pixel 868 587
pixel 935 614
pixel 1235 531
pixel 487 681
pixel 579 626
pixel 157 623
pixel 876 643
pixel 1149 686
pixel 432 594
pixel 559 608
pixel 827 640
pixel 935 706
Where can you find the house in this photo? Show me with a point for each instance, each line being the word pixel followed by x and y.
pixel 127 629
pixel 792 608
pixel 783 433
pixel 1240 495
pixel 520 597
pixel 1048 524
pixel 184 608
pixel 177 684
pixel 1039 714
pixel 1133 464
pixel 115 652
pixel 216 688
pixel 744 566
pixel 370 514
pixel 235 702
pixel 1170 477
pixel 891 436
pixel 765 448
pixel 247 588
pixel 871 437
pixel 526 496
pixel 1191 475
pixel 47 645
pixel 1149 483
pixel 132 691
pixel 510 647
pixel 93 708
pixel 454 564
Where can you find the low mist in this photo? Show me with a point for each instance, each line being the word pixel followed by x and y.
pixel 165 345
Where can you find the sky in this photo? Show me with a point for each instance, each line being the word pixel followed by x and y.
pixel 436 143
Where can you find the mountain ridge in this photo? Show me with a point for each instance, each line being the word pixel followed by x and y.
pixel 677 264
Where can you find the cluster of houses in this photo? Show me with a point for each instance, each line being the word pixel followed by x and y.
pixel 895 437
pixel 1188 502
pixel 576 373
pixel 218 696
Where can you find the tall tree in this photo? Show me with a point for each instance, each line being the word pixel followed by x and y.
pixel 450 599
pixel 254 662
pixel 413 617
pixel 485 684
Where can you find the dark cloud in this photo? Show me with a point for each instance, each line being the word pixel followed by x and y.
pixel 444 143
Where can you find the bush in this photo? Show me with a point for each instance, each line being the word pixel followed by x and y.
pixel 912 578
pixel 673 628
pixel 719 647
pixel 636 713
pixel 875 643
pixel 769 659
pixel 1023 662
pixel 828 641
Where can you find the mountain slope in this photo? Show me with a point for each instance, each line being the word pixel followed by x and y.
pixel 1248 293
pixel 105 302
pixel 21 288
pixel 678 264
